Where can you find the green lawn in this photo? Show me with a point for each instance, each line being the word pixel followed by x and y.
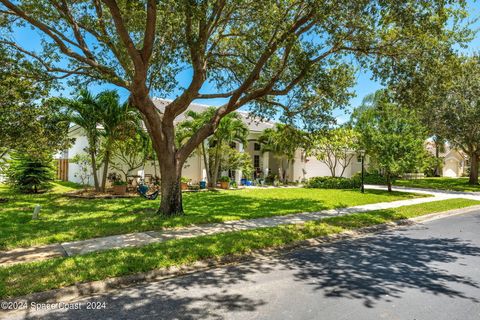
pixel 67 219
pixel 456 184
pixel 26 278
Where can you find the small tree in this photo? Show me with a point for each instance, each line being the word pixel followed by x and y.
pixel 84 173
pixel 119 122
pixel 28 174
pixel 131 153
pixel 391 135
pixel 336 148
pixel 232 159
pixel 83 111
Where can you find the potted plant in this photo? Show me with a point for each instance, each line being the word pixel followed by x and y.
pixel 119 186
pixel 184 183
pixel 224 182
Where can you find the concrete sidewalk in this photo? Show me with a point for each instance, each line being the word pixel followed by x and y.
pixel 22 255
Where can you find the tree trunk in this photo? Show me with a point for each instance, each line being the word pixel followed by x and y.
pixel 473 169
pixel 389 182
pixel 94 170
pixel 205 161
pixel 216 165
pixel 437 156
pixel 332 171
pixel 171 193
pixel 105 169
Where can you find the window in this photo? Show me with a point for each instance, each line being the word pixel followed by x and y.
pixel 359 158
pixel 256 146
pixel 256 161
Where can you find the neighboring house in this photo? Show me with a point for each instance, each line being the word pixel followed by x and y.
pixel 263 162
pixel 455 162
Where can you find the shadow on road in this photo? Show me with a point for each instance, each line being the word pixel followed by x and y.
pixel 369 269
pixel 382 267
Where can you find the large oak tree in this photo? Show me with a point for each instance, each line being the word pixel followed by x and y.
pixel 282 57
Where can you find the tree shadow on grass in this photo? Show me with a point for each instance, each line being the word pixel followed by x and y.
pixel 62 219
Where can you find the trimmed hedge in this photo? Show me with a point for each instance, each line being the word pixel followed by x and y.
pixel 333 183
pixel 372 178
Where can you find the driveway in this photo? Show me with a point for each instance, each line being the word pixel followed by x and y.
pixel 425 271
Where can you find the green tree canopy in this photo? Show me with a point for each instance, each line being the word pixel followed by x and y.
pixel 454 97
pixel 392 136
pixel 27 124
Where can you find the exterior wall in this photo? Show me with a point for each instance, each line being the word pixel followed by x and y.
pixel 453 165
pixel 356 166
pixel 78 147
pixel 194 168
pixel 316 168
pixel 297 168
pixel 451 168
pixel 2 177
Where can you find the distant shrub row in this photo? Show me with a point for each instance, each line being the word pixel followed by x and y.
pixel 333 183
pixel 345 183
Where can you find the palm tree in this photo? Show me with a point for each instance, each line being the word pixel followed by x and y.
pixel 83 111
pixel 119 121
pixel 230 129
pixel 282 141
pixel 194 122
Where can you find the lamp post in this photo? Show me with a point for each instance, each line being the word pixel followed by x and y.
pixel 362 154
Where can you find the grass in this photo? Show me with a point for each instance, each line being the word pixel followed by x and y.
pixel 26 278
pixel 66 219
pixel 455 184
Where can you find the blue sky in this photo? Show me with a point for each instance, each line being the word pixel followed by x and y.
pixel 364 83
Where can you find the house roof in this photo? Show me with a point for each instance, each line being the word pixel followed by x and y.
pixel 254 124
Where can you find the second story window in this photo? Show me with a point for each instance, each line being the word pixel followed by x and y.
pixel 256 146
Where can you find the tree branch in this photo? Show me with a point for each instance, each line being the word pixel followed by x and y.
pixel 62 46
pixel 150 28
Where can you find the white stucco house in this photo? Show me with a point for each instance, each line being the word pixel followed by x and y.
pixel 194 169
pixel 455 164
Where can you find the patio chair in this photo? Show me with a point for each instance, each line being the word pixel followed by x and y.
pixel 142 191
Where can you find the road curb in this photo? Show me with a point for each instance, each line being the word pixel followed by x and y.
pixel 102 286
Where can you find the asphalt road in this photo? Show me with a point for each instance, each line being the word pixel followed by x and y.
pixel 425 271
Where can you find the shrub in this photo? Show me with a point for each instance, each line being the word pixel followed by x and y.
pixel 83 172
pixel 333 183
pixel 372 178
pixel 185 180
pixel 224 179
pixel 29 174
